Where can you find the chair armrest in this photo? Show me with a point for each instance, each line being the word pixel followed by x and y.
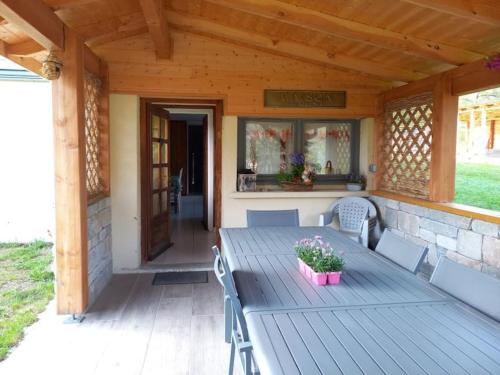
pixel 325 218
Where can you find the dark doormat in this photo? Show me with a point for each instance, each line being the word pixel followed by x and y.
pixel 190 277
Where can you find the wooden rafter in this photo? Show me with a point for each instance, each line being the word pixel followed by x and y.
pixel 484 11
pixel 287 48
pixel 156 19
pixel 35 19
pixel 26 62
pixel 28 47
pixel 333 25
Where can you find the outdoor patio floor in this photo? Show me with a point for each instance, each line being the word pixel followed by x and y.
pixel 134 328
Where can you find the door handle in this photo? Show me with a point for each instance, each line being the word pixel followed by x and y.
pixel 192 168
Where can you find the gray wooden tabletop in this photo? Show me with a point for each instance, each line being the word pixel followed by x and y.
pixel 379 319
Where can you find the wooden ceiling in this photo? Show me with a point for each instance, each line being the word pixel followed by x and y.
pixel 394 40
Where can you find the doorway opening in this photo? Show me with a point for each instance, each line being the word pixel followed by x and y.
pixel 193 190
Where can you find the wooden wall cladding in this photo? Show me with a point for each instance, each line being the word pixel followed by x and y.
pixel 202 67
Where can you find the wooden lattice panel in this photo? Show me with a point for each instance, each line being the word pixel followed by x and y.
pixel 407 146
pixel 92 135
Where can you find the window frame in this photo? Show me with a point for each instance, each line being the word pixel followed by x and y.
pixel 298 145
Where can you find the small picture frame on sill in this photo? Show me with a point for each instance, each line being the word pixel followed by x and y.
pixel 247 182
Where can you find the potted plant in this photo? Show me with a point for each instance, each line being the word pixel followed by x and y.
pixel 318 261
pixel 300 175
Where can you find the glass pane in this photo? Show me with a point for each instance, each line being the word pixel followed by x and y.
pixel 156 152
pixel 156 204
pixel 164 155
pixel 164 177
pixel 165 125
pixel 155 126
pixel 156 178
pixel 268 145
pixel 164 201
pixel 327 147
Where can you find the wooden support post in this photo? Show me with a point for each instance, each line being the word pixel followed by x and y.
pixel 378 143
pixel 444 141
pixel 70 185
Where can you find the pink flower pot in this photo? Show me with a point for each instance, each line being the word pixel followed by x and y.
pixel 302 266
pixel 319 278
pixel 334 277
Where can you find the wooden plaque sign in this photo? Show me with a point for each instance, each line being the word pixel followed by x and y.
pixel 304 98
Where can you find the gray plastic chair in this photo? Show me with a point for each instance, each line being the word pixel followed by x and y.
pixel 357 218
pixel 240 341
pixel 402 252
pixel 473 287
pixel 277 218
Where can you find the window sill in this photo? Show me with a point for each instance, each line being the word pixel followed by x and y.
pixel 453 208
pixel 280 194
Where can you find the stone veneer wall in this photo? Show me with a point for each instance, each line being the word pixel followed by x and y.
pixel 474 243
pixel 100 260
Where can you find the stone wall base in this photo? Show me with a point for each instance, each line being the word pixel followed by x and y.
pixel 100 260
pixel 474 243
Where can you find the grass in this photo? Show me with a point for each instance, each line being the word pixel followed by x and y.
pixel 478 185
pixel 26 287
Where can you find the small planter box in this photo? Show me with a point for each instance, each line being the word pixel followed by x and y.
pixel 319 278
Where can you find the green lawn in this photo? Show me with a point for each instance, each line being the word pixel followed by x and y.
pixel 26 286
pixel 478 185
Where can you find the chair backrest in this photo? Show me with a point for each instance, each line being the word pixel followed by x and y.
pixel 180 179
pixel 473 287
pixel 278 218
pixel 352 214
pixel 403 252
pixel 372 210
pixel 225 277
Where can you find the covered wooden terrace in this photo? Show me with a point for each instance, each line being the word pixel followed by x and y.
pixel 400 66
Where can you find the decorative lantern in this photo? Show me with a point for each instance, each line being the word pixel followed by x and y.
pixel 51 67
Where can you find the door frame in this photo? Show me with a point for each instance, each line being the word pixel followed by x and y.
pixel 217 106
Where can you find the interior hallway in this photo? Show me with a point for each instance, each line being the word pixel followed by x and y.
pixel 134 328
pixel 192 242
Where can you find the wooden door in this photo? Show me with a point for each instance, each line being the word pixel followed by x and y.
pixel 156 192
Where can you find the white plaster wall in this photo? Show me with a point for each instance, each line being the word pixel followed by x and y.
pixel 125 182
pixel 27 209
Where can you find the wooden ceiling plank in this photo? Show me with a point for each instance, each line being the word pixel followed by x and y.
pixel 35 19
pixel 156 19
pixel 330 24
pixel 288 48
pixel 28 47
pixel 115 35
pixel 483 11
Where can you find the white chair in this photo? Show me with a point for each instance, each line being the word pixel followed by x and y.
pixel 176 191
pixel 357 218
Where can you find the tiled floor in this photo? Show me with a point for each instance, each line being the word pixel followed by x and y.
pixel 192 242
pixel 133 329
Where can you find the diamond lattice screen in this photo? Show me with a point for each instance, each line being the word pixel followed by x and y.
pixel 407 146
pixel 92 135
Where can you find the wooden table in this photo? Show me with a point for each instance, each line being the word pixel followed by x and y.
pixel 379 319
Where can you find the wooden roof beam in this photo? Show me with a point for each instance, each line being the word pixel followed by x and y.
pixel 329 24
pixel 26 62
pixel 28 47
pixel 156 19
pixel 287 48
pixel 484 11
pixel 35 19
